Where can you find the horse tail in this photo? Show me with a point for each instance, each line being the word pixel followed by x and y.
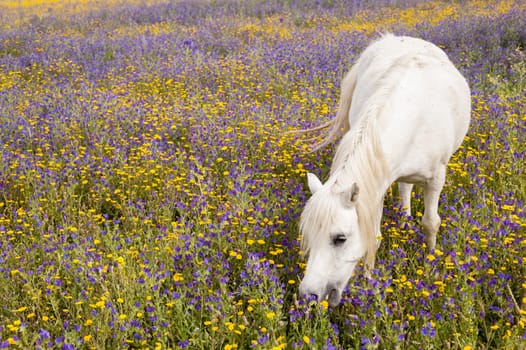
pixel 340 124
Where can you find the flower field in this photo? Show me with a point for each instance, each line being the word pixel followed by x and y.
pixel 150 192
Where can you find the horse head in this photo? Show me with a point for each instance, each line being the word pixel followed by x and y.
pixel 331 236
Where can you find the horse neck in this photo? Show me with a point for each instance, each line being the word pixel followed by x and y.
pixel 373 181
pixel 362 162
pixel 360 158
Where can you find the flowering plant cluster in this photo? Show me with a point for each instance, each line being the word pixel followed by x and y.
pixel 150 192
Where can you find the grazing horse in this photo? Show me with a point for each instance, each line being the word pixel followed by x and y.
pixel 404 110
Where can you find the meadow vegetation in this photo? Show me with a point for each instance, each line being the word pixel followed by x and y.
pixel 149 192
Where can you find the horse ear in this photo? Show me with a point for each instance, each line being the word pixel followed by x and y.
pixel 314 183
pixel 351 194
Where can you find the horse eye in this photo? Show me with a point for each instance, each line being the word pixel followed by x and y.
pixel 339 239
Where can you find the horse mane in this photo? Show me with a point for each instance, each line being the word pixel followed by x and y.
pixel 315 218
pixel 359 159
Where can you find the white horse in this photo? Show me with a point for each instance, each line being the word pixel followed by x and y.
pixel 409 109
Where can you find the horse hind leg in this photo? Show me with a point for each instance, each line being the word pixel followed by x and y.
pixel 431 219
pixel 404 190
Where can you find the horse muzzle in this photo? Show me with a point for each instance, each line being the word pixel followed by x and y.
pixel 330 292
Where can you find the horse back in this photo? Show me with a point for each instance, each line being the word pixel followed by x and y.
pixel 424 104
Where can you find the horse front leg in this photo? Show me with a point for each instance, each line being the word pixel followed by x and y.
pixel 431 219
pixel 404 191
